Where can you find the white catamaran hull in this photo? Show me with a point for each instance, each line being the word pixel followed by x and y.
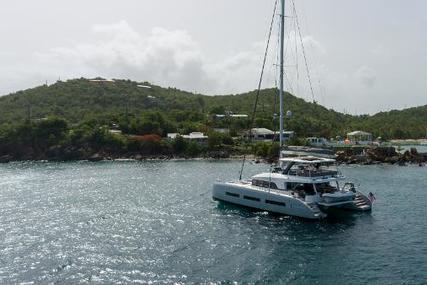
pixel 245 194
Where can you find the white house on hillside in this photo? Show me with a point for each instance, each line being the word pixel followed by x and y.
pixel 194 136
pixel 263 134
pixel 360 137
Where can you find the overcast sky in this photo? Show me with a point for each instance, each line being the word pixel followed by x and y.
pixel 365 56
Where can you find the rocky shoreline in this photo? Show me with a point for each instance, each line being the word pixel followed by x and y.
pixel 361 156
pixel 111 156
pixel 380 155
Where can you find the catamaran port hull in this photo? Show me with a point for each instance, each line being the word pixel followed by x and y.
pixel 247 195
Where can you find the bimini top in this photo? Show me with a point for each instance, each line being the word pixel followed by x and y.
pixel 308 160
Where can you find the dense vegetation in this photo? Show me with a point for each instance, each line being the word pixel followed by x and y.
pixel 80 101
pixel 54 139
pixel 74 118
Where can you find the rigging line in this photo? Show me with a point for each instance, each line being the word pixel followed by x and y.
pixel 288 52
pixel 303 50
pixel 296 57
pixel 289 83
pixel 259 84
pixel 317 75
pixel 321 92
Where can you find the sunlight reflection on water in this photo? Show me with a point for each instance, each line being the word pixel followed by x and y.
pixel 123 222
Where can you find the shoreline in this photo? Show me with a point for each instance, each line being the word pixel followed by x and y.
pixel 251 158
pixel 359 156
pixel 132 159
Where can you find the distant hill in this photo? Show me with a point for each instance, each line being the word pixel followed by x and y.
pixel 407 123
pixel 81 100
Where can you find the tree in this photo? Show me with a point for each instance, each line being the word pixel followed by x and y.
pixel 201 103
pixel 214 140
pixel 50 131
pixel 179 144
pixel 193 149
pixel 217 110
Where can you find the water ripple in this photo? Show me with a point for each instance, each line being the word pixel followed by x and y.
pixel 154 223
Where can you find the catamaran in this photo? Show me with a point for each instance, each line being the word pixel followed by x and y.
pixel 303 186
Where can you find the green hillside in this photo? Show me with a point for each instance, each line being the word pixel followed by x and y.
pixel 81 100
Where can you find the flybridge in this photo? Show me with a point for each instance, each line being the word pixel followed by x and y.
pixel 310 166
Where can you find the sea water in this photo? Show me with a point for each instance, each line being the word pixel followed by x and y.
pixel 155 223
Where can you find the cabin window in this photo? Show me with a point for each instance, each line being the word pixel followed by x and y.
pixel 275 203
pixel 292 185
pixel 326 187
pixel 303 189
pixel 264 184
pixel 252 198
pixel 232 194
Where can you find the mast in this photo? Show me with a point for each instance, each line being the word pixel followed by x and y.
pixel 281 83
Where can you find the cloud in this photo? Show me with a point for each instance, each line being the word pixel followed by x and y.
pixel 366 75
pixel 170 58
pixel 381 51
pixel 313 45
pixel 165 57
pixel 240 72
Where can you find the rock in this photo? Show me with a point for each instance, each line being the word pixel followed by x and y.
pixel 413 156
pixel 6 158
pixel 413 151
pixel 219 154
pixel 381 154
pixel 96 157
pixel 392 159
